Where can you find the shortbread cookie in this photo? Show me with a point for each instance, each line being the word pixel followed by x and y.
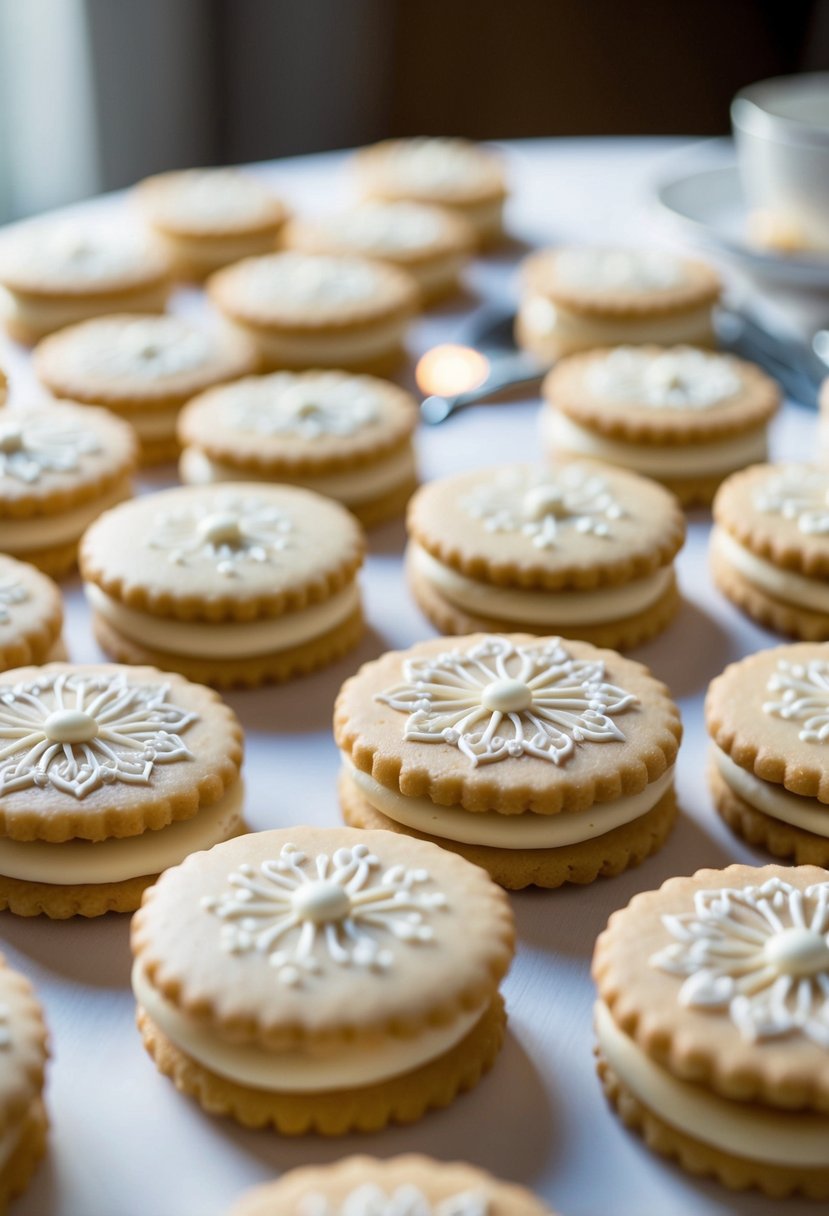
pixel 466 178
pixel 4 387
pixel 347 437
pixel 108 775
pixel 310 310
pixel 685 417
pixel 431 243
pixel 60 467
pixel 577 298
pixel 580 549
pixel 142 368
pixel 770 547
pixel 544 762
pixel 231 584
pixel 56 272
pixel 23 1055
pixel 204 219
pixel 31 616
pixel 401 1186
pixel 712 1024
pixel 322 979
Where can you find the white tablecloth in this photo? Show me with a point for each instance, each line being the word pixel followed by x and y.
pixel 123 1142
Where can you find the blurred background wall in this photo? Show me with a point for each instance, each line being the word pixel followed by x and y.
pixel 97 93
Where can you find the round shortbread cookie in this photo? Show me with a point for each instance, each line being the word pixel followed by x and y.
pixel 23 1055
pixel 31 615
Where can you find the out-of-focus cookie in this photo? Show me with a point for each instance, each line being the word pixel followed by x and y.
pixel 580 549
pixel 543 761
pixel 712 1024
pixel 144 369
pixel 31 616
pixel 23 1054
pixel 4 387
pixel 60 467
pixel 347 437
pixel 322 980
pixel 683 416
pixel 308 310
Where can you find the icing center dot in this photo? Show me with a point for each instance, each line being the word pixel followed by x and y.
pixel 220 529
pixel 70 726
pixel 544 500
pixel 798 952
pixel 11 439
pixel 507 696
pixel 321 902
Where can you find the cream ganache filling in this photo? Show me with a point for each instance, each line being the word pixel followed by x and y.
pixel 341 1068
pixel 229 639
pixel 547 324
pixel 21 536
pixel 527 831
pixel 553 608
pixel 743 1129
pixel 786 585
pixel 773 800
pixel 327 350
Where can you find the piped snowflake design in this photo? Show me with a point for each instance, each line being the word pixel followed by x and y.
pixel 541 505
pixel 800 494
pixel 11 593
pixel 498 701
pixel 227 530
pixel 406 1200
pixel 804 689
pixel 762 953
pixel 349 904
pixel 32 444
pixel 75 733
pixel 305 408
pixel 5 1027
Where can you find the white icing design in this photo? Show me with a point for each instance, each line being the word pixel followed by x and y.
pixel 437 163
pixel 75 733
pixel 498 701
pixel 349 904
pixel 203 196
pixel 541 504
pixel 798 493
pixel 682 378
pixel 304 407
pixel 226 530
pixel 32 444
pixel 805 697
pixel 761 953
pixel 609 270
pixel 406 1200
pixel 145 348
pixel 11 593
pixel 5 1028
pixel 376 227
pixel 66 252
pixel 309 280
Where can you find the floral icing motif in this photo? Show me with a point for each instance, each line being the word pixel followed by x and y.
pixel 75 733
pixel 5 1029
pixel 799 494
pixel 805 697
pixel 146 348
pixel 229 530
pixel 762 953
pixel 407 1200
pixel 682 379
pixel 499 701
pixel 307 408
pixel 541 505
pixel 637 270
pixel 349 904
pixel 34 444
pixel 11 593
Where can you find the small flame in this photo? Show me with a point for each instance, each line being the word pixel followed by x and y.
pixel 449 369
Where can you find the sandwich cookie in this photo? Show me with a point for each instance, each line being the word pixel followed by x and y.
pixel 143 369
pixel 108 775
pixel 23 1054
pixel 401 1186
pixel 54 272
pixel 347 437
pixel 311 310
pixel 580 550
pixel 770 547
pixel 466 178
pixel 768 718
pixel 683 416
pixel 204 219
pixel 60 467
pixel 4 387
pixel 322 979
pixel 712 1024
pixel 576 298
pixel 543 761
pixel 31 616
pixel 234 584
pixel 431 243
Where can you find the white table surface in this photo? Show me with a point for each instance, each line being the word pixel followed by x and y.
pixel 123 1141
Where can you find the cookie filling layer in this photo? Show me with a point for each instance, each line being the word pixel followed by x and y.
pixel 82 862
pixel 553 608
pixel 527 831
pixel 743 1129
pixel 205 253
pixel 229 639
pixel 786 585
pixel 327 349
pixel 42 315
pixel 773 800
pixel 351 488
pixel 553 330
pixel 21 536
pixel 152 424
pixel 346 1067
pixel 560 433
